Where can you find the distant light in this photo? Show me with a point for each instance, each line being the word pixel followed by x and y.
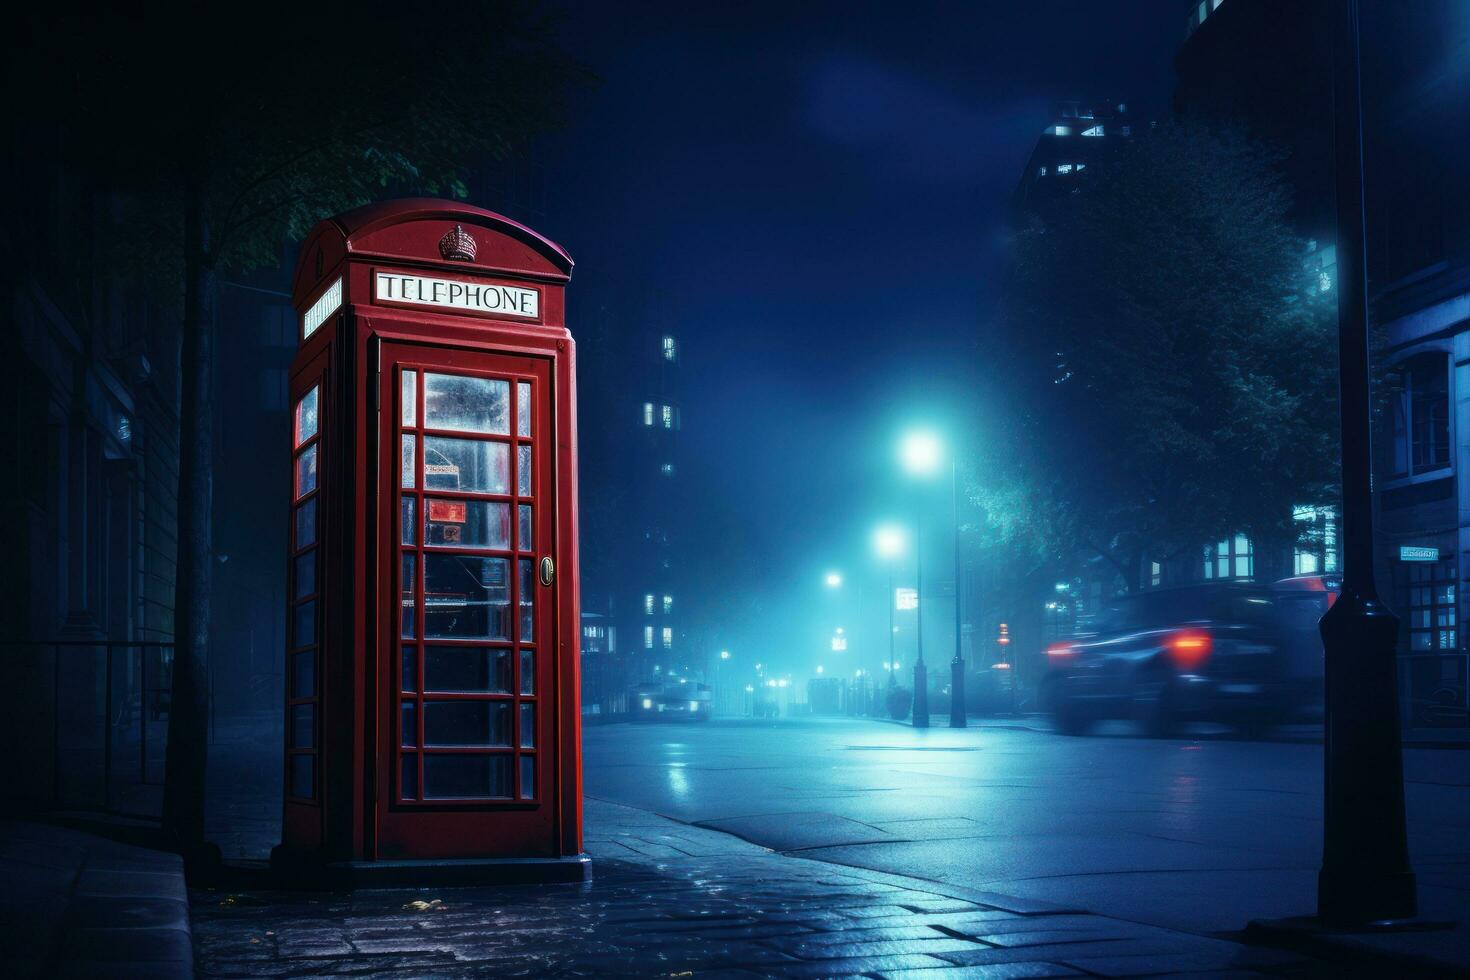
pixel 819 668
pixel 840 631
pixel 1002 666
pixel 647 703
pixel 693 705
pixel 834 580
pixel 920 452
pixel 758 666
pixel 905 599
pixel 749 688
pixel 1062 586
pixel 782 682
pixel 839 644
pixel 888 541
pixel 724 654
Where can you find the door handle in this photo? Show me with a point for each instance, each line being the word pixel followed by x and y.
pixel 548 570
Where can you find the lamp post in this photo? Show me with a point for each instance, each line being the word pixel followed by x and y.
pixel 921 452
pixel 1365 875
pixel 888 542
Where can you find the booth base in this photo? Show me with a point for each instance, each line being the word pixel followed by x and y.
pixel 294 870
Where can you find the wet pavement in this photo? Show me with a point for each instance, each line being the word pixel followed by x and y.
pixel 671 900
pixel 1201 834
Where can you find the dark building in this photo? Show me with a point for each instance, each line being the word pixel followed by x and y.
pixel 1267 65
pixel 1073 141
pixel 89 429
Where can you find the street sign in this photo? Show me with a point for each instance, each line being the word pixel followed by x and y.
pixel 1416 553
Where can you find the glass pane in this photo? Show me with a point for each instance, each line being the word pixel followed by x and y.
pixel 409 396
pixel 466 777
pixel 408 778
pixel 303 674
pixel 528 725
pixel 306 418
pixel 409 528
pixel 523 473
pixel 468 524
pixel 409 584
pixel 523 408
pixel 528 601
pixel 410 672
pixel 406 463
pixel 449 723
pixel 469 465
pixel 466 597
pixel 410 729
pixel 452 401
pixel 474 670
pixel 306 524
pixel 303 776
pixel 528 672
pixel 305 624
pixel 528 777
pixel 306 471
pixel 527 539
pixel 303 726
pixel 305 574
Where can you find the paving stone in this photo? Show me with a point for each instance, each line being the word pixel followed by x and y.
pixel 897 947
pixel 999 971
pixel 857 966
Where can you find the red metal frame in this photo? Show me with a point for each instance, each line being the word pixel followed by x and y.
pixel 359 811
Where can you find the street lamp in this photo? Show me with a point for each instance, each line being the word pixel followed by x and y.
pixel 888 541
pixel 922 455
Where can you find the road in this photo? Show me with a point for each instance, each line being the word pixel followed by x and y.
pixel 1198 834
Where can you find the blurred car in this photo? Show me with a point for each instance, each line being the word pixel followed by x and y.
pixel 1241 653
pixel 671 702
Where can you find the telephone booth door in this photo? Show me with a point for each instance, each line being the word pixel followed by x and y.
pixel 467 710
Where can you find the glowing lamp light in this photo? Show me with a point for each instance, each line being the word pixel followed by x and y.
pixel 888 541
pixel 819 668
pixel 834 580
pixel 920 452
pixel 1002 666
pixel 724 654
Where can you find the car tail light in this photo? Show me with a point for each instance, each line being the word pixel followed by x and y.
pixel 1058 652
pixel 1190 648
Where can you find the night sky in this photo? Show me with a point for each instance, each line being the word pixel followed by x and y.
pixel 820 192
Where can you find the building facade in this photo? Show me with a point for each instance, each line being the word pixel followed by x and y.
pixel 1268 65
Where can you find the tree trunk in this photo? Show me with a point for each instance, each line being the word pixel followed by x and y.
pixel 188 719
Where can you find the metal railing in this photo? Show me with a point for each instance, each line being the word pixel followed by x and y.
pixel 105 705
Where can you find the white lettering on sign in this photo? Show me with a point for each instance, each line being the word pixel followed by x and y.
pixel 1415 553
pixel 325 306
pixel 455 294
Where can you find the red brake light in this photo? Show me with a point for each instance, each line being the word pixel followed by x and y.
pixel 1058 651
pixel 1190 648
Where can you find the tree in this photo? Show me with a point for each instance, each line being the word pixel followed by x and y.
pixel 228 137
pixel 1170 360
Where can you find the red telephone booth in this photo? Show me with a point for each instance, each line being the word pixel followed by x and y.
pixel 432 716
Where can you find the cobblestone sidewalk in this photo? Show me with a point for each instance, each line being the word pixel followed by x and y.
pixel 671 900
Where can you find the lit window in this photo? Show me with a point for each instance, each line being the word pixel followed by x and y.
pixel 1064 168
pixel 668 638
pixel 648 413
pixel 648 637
pixel 667 469
pixel 668 604
pixel 1041 172
pixel 1231 558
pixel 671 349
pixel 1125 130
pixel 1431 606
pixel 648 604
pixel 1316 549
pixel 1093 130
pixel 1061 130
pixel 1155 573
pixel 668 416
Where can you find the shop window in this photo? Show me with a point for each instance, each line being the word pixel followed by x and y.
pixel 1431 605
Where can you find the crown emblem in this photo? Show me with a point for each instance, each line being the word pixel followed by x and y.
pixel 458 244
